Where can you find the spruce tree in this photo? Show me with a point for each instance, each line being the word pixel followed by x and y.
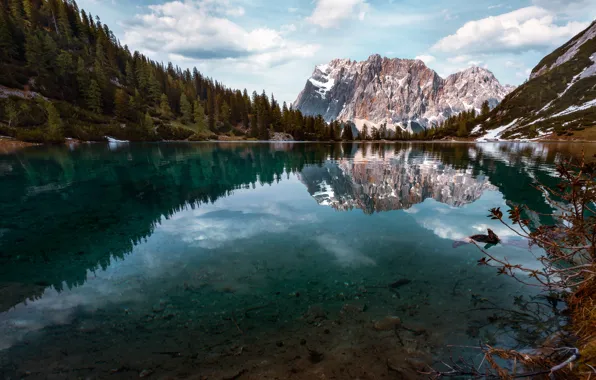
pixel 364 134
pixel 210 110
pixel 55 133
pixel 8 46
pixel 94 101
pixel 148 124
pixel 28 9
pixel 224 113
pixel 185 109
pixel 130 75
pixel 462 130
pixel 63 22
pixel 33 51
pixel 348 135
pixel 485 109
pixel 82 78
pixel 199 116
pixel 164 106
pixel 121 103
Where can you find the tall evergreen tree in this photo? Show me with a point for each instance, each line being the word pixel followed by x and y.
pixel 210 110
pixel 148 124
pixel 347 134
pixel 8 46
pixel 164 106
pixel 121 103
pixel 94 102
pixel 364 133
pixel 199 116
pixel 55 132
pixel 185 109
pixel 485 109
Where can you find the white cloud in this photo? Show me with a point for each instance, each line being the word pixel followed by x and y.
pixel 495 6
pixel 330 13
pixel 292 10
pixel 289 28
pixel 200 30
pixel 426 58
pixel 530 28
pixel 458 59
pixel 566 6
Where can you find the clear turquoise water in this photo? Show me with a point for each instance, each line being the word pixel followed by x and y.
pixel 259 260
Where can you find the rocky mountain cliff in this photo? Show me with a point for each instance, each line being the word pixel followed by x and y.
pixel 559 97
pixel 400 92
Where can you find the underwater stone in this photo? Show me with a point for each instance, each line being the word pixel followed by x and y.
pixel 387 323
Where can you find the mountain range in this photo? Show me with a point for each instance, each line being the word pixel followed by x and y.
pixel 400 92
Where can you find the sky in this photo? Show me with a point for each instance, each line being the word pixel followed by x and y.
pixel 274 45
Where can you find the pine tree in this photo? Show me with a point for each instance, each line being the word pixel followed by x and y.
pixel 186 109
pixel 348 135
pixel 199 116
pixel 34 52
pixel 16 10
pixel 121 103
pixel 148 124
pixel 364 133
pixel 224 113
pixel 64 64
pixel 164 106
pixel 130 75
pixel 485 109
pixel 63 22
pixel 28 9
pixel 82 77
pixel 210 110
pixel 462 130
pixel 55 133
pixel 8 46
pixel 94 97
pixel 136 107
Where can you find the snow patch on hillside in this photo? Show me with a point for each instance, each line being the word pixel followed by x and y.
pixel 590 70
pixel 495 134
pixel 573 109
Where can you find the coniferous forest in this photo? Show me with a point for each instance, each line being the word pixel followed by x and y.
pixel 65 74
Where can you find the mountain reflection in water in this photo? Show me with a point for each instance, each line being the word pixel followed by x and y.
pixel 103 234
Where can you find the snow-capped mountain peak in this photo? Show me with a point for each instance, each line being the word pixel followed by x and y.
pixel 400 92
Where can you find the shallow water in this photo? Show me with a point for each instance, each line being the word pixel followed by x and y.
pixel 260 260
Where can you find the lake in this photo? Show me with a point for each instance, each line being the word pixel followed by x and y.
pixel 263 261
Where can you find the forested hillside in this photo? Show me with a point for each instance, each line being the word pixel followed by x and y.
pixel 63 73
pixel 559 97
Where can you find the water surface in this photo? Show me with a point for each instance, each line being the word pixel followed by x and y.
pixel 260 261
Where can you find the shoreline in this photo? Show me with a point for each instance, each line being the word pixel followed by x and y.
pixel 11 144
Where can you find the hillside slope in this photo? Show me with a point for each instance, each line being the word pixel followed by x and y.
pixel 559 97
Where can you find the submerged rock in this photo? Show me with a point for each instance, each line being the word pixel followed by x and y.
pixel 388 323
pixel 145 373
